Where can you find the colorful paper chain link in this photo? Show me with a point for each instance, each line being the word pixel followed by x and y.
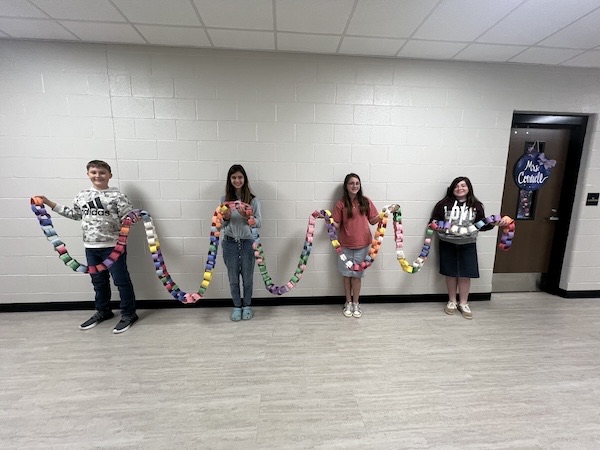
pixel 508 233
pixel 377 240
pixel 332 233
pixel 135 216
pixel 37 205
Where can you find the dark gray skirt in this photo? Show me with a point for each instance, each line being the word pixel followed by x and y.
pixel 459 260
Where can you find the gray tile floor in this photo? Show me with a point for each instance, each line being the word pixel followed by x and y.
pixel 524 373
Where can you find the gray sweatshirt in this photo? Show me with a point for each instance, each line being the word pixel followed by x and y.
pixel 100 213
pixel 236 227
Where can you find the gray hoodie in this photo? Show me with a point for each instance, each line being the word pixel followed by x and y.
pixel 100 213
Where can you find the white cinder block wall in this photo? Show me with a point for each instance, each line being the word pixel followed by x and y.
pixel 172 121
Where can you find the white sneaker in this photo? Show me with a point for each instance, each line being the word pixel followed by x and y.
pixel 465 310
pixel 348 309
pixel 357 312
pixel 450 308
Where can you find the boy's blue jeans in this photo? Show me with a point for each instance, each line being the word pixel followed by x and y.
pixel 239 259
pixel 120 276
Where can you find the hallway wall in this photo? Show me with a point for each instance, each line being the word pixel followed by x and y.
pixel 171 121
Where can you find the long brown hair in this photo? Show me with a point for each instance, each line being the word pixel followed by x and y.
pixel 471 199
pixel 363 202
pixel 246 194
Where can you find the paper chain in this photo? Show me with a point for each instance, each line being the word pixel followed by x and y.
pixel 136 215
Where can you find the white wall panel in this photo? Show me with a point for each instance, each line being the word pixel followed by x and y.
pixel 172 121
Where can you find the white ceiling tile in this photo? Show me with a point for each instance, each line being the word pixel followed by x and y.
pixel 313 16
pixel 246 40
pixel 463 20
pixel 254 15
pixel 159 12
pixel 538 55
pixel 520 31
pixel 105 32
pixel 97 10
pixel 296 42
pixel 174 36
pixel 489 52
pixel 19 8
pixel 582 34
pixel 587 59
pixel 550 16
pixel 430 49
pixel 34 29
pixel 389 18
pixel 370 46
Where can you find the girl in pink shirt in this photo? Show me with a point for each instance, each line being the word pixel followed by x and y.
pixel 351 216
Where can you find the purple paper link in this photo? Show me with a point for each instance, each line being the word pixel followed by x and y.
pixel 213 239
pixel 282 290
pixel 426 247
pixel 489 220
pixel 45 222
pixel 510 234
pixel 447 225
pixel 272 289
pixel 108 262
pixel 36 210
pixel 508 242
pixel 423 254
pixel 155 256
pixel 211 257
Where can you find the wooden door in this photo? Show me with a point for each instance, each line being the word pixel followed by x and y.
pixel 530 252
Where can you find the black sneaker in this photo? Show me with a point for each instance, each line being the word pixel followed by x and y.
pixel 96 319
pixel 125 323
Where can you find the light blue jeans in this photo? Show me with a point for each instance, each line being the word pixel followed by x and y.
pixel 239 259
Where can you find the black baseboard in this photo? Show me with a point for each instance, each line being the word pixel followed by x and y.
pixel 275 301
pixel 577 294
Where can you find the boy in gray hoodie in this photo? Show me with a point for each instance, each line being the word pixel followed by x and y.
pixel 101 209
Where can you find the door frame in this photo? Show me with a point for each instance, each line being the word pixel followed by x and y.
pixel 577 125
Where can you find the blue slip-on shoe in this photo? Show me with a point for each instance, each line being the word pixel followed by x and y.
pixel 247 313
pixel 236 314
